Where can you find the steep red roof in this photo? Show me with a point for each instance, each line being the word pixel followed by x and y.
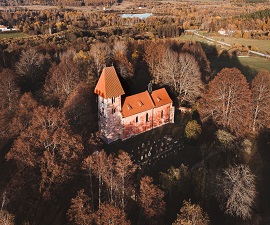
pixel 137 103
pixel 109 85
pixel 161 97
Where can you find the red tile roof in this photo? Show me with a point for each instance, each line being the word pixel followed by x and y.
pixel 143 101
pixel 161 97
pixel 137 103
pixel 109 85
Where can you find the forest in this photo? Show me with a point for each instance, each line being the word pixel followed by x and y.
pixel 211 166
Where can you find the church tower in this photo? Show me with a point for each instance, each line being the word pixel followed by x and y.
pixel 109 91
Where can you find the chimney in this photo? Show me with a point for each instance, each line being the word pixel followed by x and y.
pixel 150 87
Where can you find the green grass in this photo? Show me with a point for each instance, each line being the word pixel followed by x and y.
pixel 256 63
pixel 13 35
pixel 262 45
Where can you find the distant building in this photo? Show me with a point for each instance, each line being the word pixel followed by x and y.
pixel 3 28
pixel 138 113
pixel 222 31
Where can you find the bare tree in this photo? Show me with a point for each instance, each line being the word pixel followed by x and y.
pixel 260 89
pixel 191 214
pixel 237 191
pixel 30 65
pixel 101 54
pixel 9 97
pixel 227 101
pixel 124 168
pixel 62 79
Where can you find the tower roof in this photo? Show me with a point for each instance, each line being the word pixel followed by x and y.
pixel 109 85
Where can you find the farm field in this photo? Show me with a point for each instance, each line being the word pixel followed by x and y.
pixel 257 63
pixel 13 35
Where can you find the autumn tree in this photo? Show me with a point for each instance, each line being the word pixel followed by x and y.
pixel 178 70
pixel 96 165
pixel 195 49
pixel 101 54
pixel 191 214
pixel 123 66
pixel 227 101
pixel 109 214
pixel 6 218
pixel 48 145
pixel 193 130
pixel 30 68
pixel 9 97
pixel 80 109
pixel 237 191
pixel 80 212
pixel 62 79
pixel 170 179
pixel 124 168
pixel 23 114
pixel 151 199
pixel 260 89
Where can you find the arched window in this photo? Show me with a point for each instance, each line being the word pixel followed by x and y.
pixel 161 114
pixel 137 119
pixel 113 110
pixel 147 117
pixel 113 100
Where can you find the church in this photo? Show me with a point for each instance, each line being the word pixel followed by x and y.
pixel 120 119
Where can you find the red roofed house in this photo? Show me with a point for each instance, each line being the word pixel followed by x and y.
pixel 138 113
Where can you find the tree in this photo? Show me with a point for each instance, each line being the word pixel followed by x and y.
pixel 30 68
pixel 181 73
pixel 6 218
pixel 62 79
pixel 96 164
pixel 191 214
pixel 111 215
pixel 80 212
pixel 151 199
pixel 195 49
pixel 48 145
pixel 237 191
pixel 124 168
pixel 170 180
pixel 23 114
pixel 123 66
pixel 101 54
pixel 193 130
pixel 9 97
pixel 260 89
pixel 227 101
pixel 80 109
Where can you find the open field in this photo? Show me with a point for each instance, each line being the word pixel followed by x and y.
pixel 13 35
pixel 262 45
pixel 256 63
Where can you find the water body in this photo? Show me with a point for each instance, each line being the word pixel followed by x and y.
pixel 139 15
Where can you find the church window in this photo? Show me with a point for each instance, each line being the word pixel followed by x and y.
pixel 137 119
pixel 113 99
pixel 161 114
pixel 147 117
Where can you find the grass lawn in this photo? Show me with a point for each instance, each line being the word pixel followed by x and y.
pixel 256 63
pixel 13 35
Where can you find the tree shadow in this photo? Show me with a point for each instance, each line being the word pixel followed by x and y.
pixel 225 59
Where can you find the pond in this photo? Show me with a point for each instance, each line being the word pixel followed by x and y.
pixel 139 15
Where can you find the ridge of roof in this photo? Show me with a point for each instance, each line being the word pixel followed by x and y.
pixel 109 85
